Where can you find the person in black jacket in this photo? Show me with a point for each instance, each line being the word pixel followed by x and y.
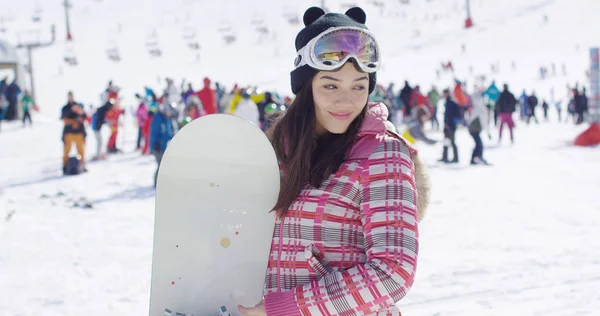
pixel 581 105
pixel 532 101
pixel 97 122
pixel 506 106
pixel 405 94
pixel 73 116
pixel 451 116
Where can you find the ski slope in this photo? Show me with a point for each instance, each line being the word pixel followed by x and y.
pixel 517 238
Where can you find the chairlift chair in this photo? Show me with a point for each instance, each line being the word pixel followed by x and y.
pixel 229 38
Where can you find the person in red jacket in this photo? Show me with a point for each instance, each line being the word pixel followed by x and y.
pixel 112 119
pixel 417 99
pixel 146 131
pixel 208 97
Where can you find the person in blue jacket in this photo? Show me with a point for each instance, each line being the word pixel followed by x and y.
pixel 492 93
pixel 452 115
pixel 161 133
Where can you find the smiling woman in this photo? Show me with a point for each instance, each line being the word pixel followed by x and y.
pixel 339 98
pixel 345 240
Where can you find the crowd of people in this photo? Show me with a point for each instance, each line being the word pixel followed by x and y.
pixel 477 111
pixel 160 115
pixel 9 102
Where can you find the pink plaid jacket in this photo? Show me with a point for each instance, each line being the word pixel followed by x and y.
pixel 350 247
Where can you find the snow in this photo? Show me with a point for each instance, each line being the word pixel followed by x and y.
pixel 519 237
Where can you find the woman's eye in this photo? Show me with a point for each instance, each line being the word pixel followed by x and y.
pixel 330 87
pixel 360 88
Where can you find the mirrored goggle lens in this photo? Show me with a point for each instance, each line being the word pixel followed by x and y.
pixel 334 47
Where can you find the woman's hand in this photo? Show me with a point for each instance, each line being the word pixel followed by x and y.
pixel 258 310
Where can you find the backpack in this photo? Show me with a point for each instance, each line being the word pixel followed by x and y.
pixel 73 166
pixel 475 126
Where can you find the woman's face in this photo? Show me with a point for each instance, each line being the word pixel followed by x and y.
pixel 339 97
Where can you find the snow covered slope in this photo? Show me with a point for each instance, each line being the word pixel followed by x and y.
pixel 518 238
pixel 415 39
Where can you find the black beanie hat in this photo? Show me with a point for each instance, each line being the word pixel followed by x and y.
pixel 316 22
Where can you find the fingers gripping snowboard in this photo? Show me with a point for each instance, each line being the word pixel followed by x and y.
pixel 217 183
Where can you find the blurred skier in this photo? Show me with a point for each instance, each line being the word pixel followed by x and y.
pixel 405 94
pixel 161 133
pixel 27 105
pixel 3 106
pixel 208 97
pixel 73 116
pixel 171 93
pixel 532 101
pixel 415 129
pixel 98 120
pixel 477 119
pixel 247 109
pixel 452 115
pixel 112 119
pixel 262 105
pixel 434 99
pixel 506 106
pixel 460 95
pixel 545 107
pixel 524 106
pixel 193 110
pixel 492 94
pixel 141 114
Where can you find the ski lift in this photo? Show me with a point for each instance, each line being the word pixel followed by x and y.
pixel 71 60
pixel 152 45
pixel 225 27
pixel 263 30
pixel 70 57
pixel 2 25
pixel 189 34
pixel 113 54
pixel 155 51
pixel 229 38
pixel 37 13
pixel 257 20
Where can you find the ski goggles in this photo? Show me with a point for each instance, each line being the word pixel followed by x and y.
pixel 334 47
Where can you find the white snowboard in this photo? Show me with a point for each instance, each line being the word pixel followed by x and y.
pixel 217 183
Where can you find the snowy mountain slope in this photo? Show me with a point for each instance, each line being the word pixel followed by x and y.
pixel 517 238
pixel 505 31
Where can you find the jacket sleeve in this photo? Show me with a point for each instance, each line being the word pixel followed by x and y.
pixel 391 238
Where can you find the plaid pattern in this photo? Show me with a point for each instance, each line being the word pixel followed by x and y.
pixel 349 247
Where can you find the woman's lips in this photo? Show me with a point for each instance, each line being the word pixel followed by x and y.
pixel 340 116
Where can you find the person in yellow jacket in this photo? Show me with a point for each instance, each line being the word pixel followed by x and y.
pixel 256 98
pixel 74 117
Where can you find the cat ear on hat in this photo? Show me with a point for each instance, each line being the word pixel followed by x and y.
pixel 357 14
pixel 312 14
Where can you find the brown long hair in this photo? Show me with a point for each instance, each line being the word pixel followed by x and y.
pixel 306 158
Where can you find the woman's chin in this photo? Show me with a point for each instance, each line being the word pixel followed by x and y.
pixel 337 130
